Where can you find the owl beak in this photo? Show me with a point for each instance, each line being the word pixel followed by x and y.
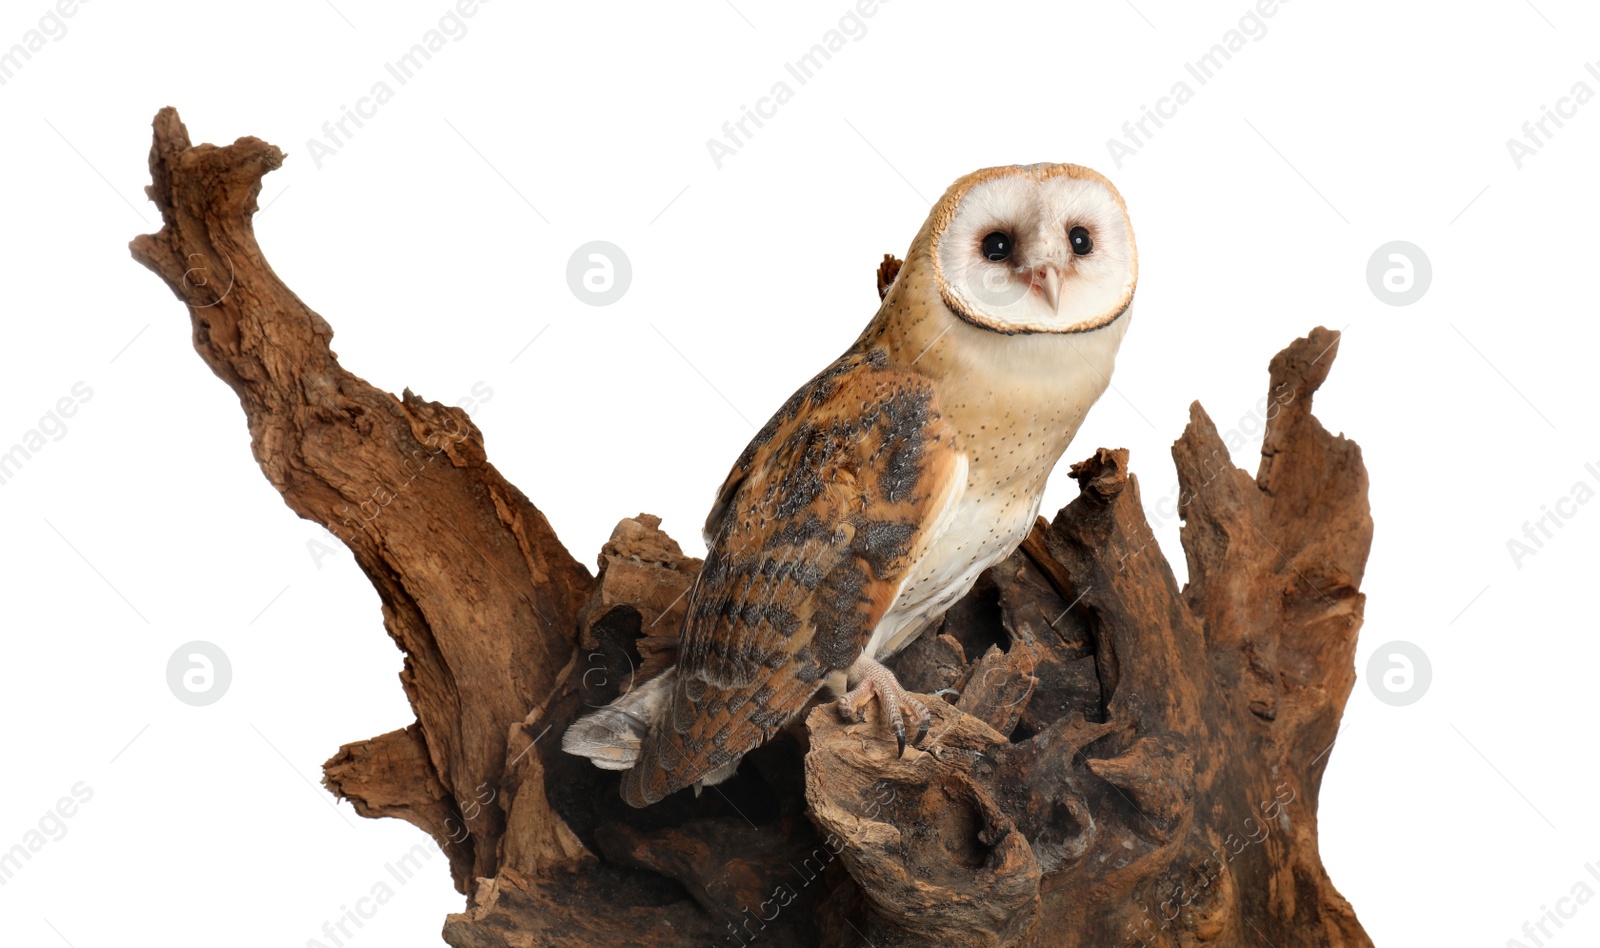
pixel 1047 280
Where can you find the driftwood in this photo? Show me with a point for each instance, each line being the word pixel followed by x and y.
pixel 1117 761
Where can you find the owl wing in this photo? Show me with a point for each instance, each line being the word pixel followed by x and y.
pixel 810 540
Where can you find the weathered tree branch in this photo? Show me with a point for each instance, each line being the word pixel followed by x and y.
pixel 476 589
pixel 1121 762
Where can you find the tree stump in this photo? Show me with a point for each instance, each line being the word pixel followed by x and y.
pixel 1117 761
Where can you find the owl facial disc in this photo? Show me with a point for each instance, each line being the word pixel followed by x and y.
pixel 1034 249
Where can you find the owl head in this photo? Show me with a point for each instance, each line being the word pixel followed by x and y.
pixel 1043 248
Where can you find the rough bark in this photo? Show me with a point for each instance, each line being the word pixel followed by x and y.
pixel 1117 761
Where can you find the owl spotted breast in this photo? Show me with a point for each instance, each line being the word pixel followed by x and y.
pixel 881 489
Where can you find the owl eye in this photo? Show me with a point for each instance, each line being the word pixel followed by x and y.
pixel 997 246
pixel 1081 242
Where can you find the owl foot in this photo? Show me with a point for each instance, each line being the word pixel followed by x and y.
pixel 872 680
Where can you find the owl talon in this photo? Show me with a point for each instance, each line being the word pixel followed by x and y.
pixel 875 681
pixel 922 727
pixel 897 724
pixel 850 711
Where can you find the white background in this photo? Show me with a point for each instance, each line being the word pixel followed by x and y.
pixel 436 241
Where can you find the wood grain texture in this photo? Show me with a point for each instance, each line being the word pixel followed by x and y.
pixel 1121 762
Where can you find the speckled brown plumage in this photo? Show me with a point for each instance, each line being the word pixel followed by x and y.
pixel 810 539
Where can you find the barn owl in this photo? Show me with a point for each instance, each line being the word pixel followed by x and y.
pixel 881 489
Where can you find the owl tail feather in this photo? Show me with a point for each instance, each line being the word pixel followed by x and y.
pixel 610 736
